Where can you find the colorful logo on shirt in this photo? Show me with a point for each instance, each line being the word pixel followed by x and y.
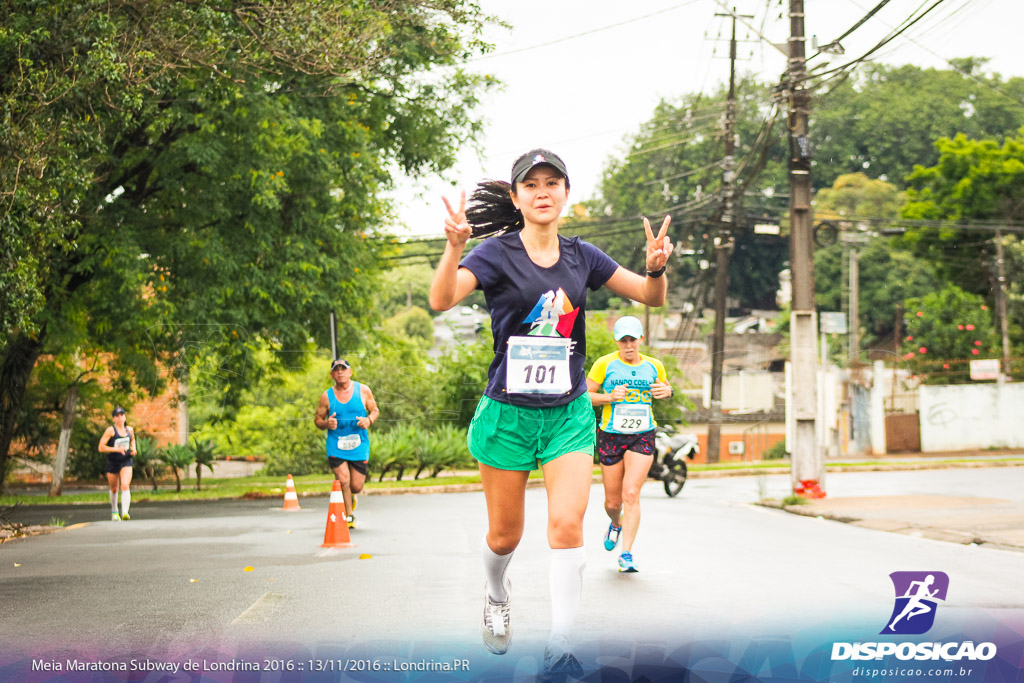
pixel 553 316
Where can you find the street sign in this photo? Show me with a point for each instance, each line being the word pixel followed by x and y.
pixel 985 369
pixel 832 322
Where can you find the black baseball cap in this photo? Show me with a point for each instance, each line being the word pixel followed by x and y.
pixel 537 157
pixel 340 361
pixel 119 411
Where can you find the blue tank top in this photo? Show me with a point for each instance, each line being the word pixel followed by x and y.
pixel 348 441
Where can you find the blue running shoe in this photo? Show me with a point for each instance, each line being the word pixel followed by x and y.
pixel 611 537
pixel 626 563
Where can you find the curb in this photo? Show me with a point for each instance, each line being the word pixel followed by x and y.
pixel 958 536
pixel 7 535
pixel 882 467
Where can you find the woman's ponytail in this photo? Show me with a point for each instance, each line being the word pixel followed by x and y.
pixel 490 210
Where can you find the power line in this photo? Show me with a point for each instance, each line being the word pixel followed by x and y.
pixel 835 43
pixel 581 35
pixel 904 26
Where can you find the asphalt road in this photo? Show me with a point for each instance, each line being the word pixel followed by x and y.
pixel 242 581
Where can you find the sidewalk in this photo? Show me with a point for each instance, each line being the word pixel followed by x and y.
pixel 993 522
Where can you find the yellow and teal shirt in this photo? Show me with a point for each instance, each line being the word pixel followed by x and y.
pixel 634 414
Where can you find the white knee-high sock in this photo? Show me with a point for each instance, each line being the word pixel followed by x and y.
pixel 113 501
pixel 495 567
pixel 126 501
pixel 566 586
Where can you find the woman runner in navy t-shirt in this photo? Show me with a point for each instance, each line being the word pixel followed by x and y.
pixel 535 407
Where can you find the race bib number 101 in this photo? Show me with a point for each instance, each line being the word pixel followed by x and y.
pixel 538 365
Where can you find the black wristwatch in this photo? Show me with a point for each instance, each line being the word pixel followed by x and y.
pixel 656 273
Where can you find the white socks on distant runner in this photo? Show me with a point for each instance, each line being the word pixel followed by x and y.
pixel 495 567
pixel 126 501
pixel 566 586
pixel 113 502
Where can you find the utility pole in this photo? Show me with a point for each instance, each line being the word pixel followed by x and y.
pixel 897 334
pixel 1004 327
pixel 808 464
pixel 854 323
pixel 334 338
pixel 723 246
pixel 853 242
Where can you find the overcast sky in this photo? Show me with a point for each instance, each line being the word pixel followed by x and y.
pixel 581 76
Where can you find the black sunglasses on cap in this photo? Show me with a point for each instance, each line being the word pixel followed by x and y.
pixel 119 411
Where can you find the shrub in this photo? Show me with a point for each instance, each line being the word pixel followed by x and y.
pixel 300 449
pixel 397 450
pixel 776 451
pixel 442 448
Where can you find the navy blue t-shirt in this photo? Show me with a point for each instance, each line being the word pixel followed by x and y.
pixel 525 299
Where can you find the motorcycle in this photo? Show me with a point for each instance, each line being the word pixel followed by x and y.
pixel 670 461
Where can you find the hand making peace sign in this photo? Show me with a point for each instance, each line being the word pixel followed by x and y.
pixel 456 230
pixel 658 248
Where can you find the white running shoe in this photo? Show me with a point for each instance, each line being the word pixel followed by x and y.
pixel 495 626
pixel 559 661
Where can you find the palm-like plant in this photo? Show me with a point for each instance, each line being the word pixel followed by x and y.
pixel 204 453
pixel 178 458
pixel 456 448
pixel 433 453
pixel 398 449
pixel 147 457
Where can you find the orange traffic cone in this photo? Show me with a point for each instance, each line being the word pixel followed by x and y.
pixel 291 499
pixel 336 535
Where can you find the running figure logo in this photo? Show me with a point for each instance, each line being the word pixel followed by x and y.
pixel 917 595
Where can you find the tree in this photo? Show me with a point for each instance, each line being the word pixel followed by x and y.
pixel 203 453
pixel 461 377
pixel 887 274
pixel 945 330
pixel 884 120
pixel 181 179
pixel 147 458
pixel 178 458
pixel 981 180
pixel 674 165
pixel 414 324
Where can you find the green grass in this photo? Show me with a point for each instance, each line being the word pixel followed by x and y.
pixel 320 484
pixel 726 466
pixel 238 487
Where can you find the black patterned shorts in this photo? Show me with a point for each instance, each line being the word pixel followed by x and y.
pixel 611 446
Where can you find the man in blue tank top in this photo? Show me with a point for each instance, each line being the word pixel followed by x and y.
pixel 346 411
